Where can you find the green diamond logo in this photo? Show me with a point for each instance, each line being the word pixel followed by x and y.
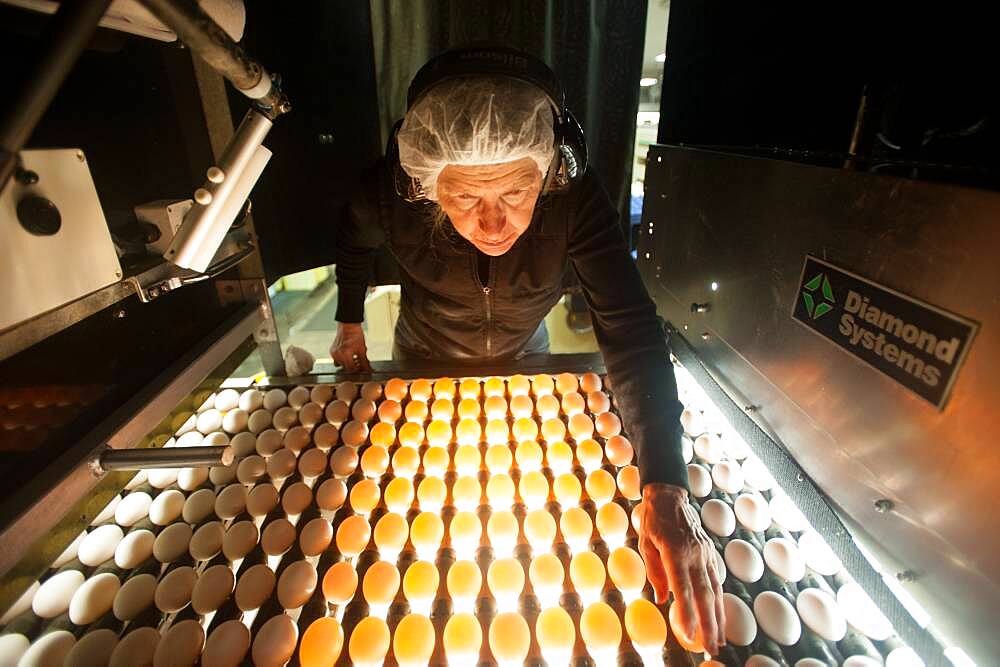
pixel 821 303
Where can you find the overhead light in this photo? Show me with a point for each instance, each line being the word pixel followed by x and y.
pixel 662 57
pixel 647 81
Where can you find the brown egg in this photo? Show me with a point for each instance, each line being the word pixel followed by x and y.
pixel 573 403
pixel 396 389
pixel 619 450
pixel 340 583
pixel 363 410
pixel 337 412
pixel 296 498
pixel 353 535
pixel 255 587
pixel 354 433
pixel 321 394
pixel 413 640
pixel 315 537
pixel 389 411
pixel 371 391
pixel 227 645
pixel 281 465
pixel 172 542
pixel 628 482
pixel 326 436
pixel 240 539
pixel 262 499
pixel 608 424
pixel 590 382
pixel 213 587
pixel 381 583
pixel 180 645
pixel 331 494
pixel 278 537
pixel 207 541
pixel 346 391
pixel 312 463
pixel 510 637
pixel 375 460
pixel 598 402
pixel 274 644
pixel 135 648
pixel 173 593
pixel 343 461
pixel 297 584
pixel 296 438
pixel 369 641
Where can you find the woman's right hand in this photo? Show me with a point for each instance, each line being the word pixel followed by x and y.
pixel 349 350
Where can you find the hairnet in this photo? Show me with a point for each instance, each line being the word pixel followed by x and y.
pixel 474 121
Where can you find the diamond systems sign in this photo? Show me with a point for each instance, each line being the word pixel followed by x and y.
pixel 916 344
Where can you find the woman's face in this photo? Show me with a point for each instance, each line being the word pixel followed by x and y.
pixel 490 205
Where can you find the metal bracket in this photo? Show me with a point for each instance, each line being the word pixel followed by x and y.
pixel 170 277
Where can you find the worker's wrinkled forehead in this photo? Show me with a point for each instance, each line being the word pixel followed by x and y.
pixel 523 173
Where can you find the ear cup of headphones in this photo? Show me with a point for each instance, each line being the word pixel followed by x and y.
pixel 572 144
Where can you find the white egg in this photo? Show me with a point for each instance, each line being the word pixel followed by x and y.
pixel 216 439
pixel 903 656
pixel 786 514
pixel 94 648
pixel 275 642
pixel 49 649
pixel 259 420
pixel 161 478
pixel 227 645
pixel 692 422
pixel 190 479
pixel 809 662
pixel 243 444
pixel 226 400
pixel 213 587
pixel 134 549
pixel 172 542
pixel 699 480
pixel 136 648
pixel 240 539
pixel 753 512
pixel 687 449
pixel 734 446
pixel 718 517
pixel 185 422
pixel 173 593
pixel 274 399
pixel 107 512
pixel 99 545
pixel 53 596
pixel 181 645
pixel 783 558
pixel 166 507
pixel 741 626
pixel 68 554
pixel 728 476
pixel 720 566
pixel 820 613
pixel 862 613
pixel 209 420
pixel 205 400
pixel 93 599
pixel 776 618
pixel 818 555
pixel 709 448
pixel 235 421
pixel 744 561
pixel 861 661
pixel 207 541
pixel 190 439
pixel 756 474
pixel 13 645
pixel 134 597
pixel 322 394
pixel 251 400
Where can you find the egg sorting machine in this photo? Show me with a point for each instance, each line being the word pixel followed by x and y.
pixel 867 456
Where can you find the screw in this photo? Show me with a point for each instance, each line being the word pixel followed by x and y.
pixel 120 314
pixel 749 408
pixel 118 274
pixel 883 505
pixel 80 156
pixel 907 576
pixel 705 335
pixel 26 176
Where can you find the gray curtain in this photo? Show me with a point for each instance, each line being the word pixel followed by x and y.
pixel 594 46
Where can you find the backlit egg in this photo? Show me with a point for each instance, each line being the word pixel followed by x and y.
pixel 628 482
pixel 413 640
pixel 369 641
pixel 465 530
pixel 627 571
pixel 783 558
pixel 567 489
pixel 600 628
pixel 389 411
pixel 556 634
pixel 718 517
pixel 510 638
pixel 365 496
pixel 405 462
pixel 426 532
pixel 420 583
pixel 494 386
pixel 497 432
pixel 576 527
pixel 553 430
pixel 464 580
pixel 539 529
pixel 525 428
pixel 573 403
pixel 353 535
pixel 382 434
pixel 410 434
pixel 590 382
pixel 285 418
pixel 375 460
pixel 498 458
pixel 505 578
pixel 396 389
pixel 421 390
pixel 467 460
pixel 547 407
pixel 436 460
pixel 586 571
pixel 776 618
pixel 752 511
pixel 340 583
pixel 500 490
pixel 431 494
pixel 255 587
pixel 442 409
pixel 546 574
pixel 600 486
pixel 322 643
pixel 559 457
pixel 608 424
pixel 468 408
pixel 502 530
pixel 619 450
pixel 862 613
pixel 645 625
pixel 741 626
pixel 415 411
pixel 399 493
pixel 466 493
pixel 581 426
pixel 518 385
pixel 542 384
pixel 692 644
pixel 612 523
pixel 381 583
pixel 390 534
pixel 522 407
pixel 463 638
pixel 819 611
pixel 533 489
pixel 744 561
pixel 590 454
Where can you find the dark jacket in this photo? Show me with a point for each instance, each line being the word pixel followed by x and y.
pixel 446 313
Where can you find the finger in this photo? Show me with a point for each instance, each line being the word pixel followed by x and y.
pixel 363 362
pixel 720 608
pixel 704 607
pixel 655 571
pixel 680 586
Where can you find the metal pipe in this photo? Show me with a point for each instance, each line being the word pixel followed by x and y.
pixel 67 33
pixel 204 36
pixel 164 457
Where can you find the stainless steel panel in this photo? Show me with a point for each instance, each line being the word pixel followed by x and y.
pixel 746 224
pixel 39 273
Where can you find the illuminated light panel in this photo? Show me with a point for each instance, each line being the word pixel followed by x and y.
pixel 420 585
pixel 390 535
pixel 468 408
pixel 420 390
pixel 559 456
pixel 399 494
pixel 494 386
pixel 382 434
pixel 464 582
pixel 436 461
pixel 444 388
pixel 533 489
pixel 590 454
pixel 518 385
pixel 525 428
pixel 576 527
pixel 431 494
pixel 396 389
pixel 415 411
pixel 497 432
pixel 463 639
pixel 426 532
pixel 586 571
pixel 542 385
pixel 502 530
pixel 442 408
pixel 567 489
pixel 612 524
pixel 500 490
pixel 468 432
pixel 556 635
pixel 365 496
pixel 469 388
pixel 375 460
pixel 390 411
pixel 628 482
pixel 601 631
pixel 465 530
pixel 600 485
pixel 369 642
pixel 405 462
pixel 573 403
pixel 468 459
pixel 466 493
pixel 547 407
pixel 381 583
pixel 340 582
pixel 528 455
pixel 619 450
pixel 413 641
pixel 439 433
pixel 495 407
pixel 505 578
pixel 628 572
pixel 553 430
pixel 539 529
pixel 411 434
pixel 498 458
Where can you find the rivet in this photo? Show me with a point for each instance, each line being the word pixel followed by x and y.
pixel 883 505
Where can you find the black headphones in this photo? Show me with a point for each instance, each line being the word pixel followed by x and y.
pixel 569 160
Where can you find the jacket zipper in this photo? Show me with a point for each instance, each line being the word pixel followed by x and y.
pixel 487 294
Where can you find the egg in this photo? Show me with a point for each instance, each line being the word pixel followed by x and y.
pixel 786 514
pixel 53 597
pixel 68 554
pixel 741 626
pixel 213 587
pixel 555 633
pixel 709 448
pixel 134 549
pixel 259 421
pixel 174 591
pixel 505 578
pixel 776 618
pixel 93 598
pixel 94 648
pixel 251 400
pixel 628 482
pixel 209 420
pixel 539 529
pixel 590 454
pixel 687 449
pixel 466 493
pixel 645 625
pixel 502 530
pixel 207 541
pixel 783 558
pixel 426 532
pixel 442 409
pixel 413 640
pixel 322 643
pixel 465 531
pixel 315 537
pixel 692 422
pixel 330 495
pixel 547 407
pixel 383 435
pixel 239 540
pixel 354 433
pixel 274 644
pixel 243 444
pixel 134 597
pixel 573 403
pixel 274 399
pixel 346 391
pixel 566 382
pixel 353 535
pixel 509 637
pixel 576 527
pixel 323 394
pixel 718 517
pixel 608 424
pixel 375 461
pixel 587 573
pixel 819 611
pixel 627 571
pixel 326 436
pixel 254 587
pixel 862 613
pixel 436 461
pixel 753 512
pixel 497 434
pixel 231 501
pixel 619 450
pixel 415 411
pixel 371 391
pixel 463 638
pixel 296 498
pixel 559 457
pixel 525 428
pixel 167 506
pixel 363 410
pixel 190 479
pixel 533 489
pixel 132 508
pixel 598 402
pixel 542 384
pixel 268 442
pixel 546 573
pixel 464 580
pixel 369 642
pixel 340 583
pixel 600 628
pixel 757 475
pixel 235 421
pixel 744 561
pixel 99 545
pixel 337 412
pixel 278 537
pixel 903 656
pixel 818 554
pixel 343 461
pixel 411 434
pixel 420 583
pixel 172 542
pixel 389 411
pixel 590 382
pixel 567 489
pixel 396 389
pixel 692 644
pixel 296 438
pixel 365 496
pixel 227 646
pixel 262 499
pixel 391 532
pixel 522 407
pixel 467 460
pixel 297 584
pixel 554 430
pixel 399 494
pixel 728 476
pixel 136 648
pixel 312 463
pixel 49 649
pixel 500 490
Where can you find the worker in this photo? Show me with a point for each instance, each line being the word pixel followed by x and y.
pixel 483 198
